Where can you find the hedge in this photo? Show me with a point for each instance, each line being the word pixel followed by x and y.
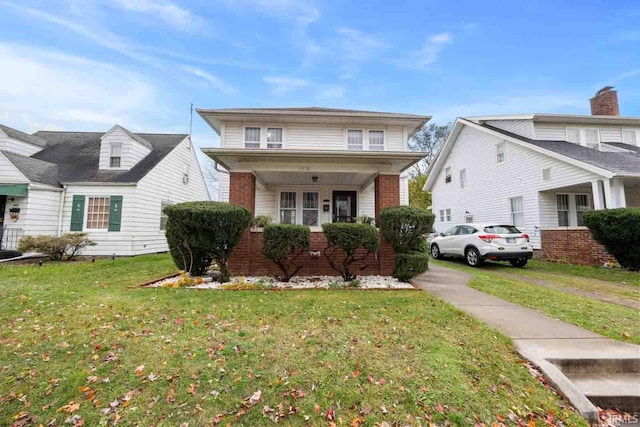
pixel 59 248
pixel 343 243
pixel 283 244
pixel 408 266
pixel 618 230
pixel 199 232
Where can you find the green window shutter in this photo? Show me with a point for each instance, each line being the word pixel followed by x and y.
pixel 77 213
pixel 115 213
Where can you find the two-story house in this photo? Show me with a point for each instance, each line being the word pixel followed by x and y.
pixel 310 166
pixel 112 185
pixel 540 172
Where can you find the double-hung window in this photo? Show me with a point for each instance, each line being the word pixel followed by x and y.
pixel 447 175
pixel 163 216
pixel 447 213
pixel 573 135
pixel 592 138
pixel 251 137
pixel 516 205
pixel 98 213
pixel 310 209
pixel 288 207
pixel 354 139
pixel 376 140
pixel 629 136
pixel 582 205
pixel 570 208
pixel 500 153
pixel 115 155
pixel 562 205
pixel 463 178
pixel 274 137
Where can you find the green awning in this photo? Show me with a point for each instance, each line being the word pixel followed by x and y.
pixel 18 190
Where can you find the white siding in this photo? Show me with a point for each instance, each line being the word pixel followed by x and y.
pixel 9 174
pixel 266 203
pixel 314 136
pixel 489 185
pixel 520 127
pixel 368 201
pixel 404 189
pixel 17 146
pixel 223 187
pixel 132 151
pixel 550 132
pixel 557 131
pixel 163 183
pixel 43 207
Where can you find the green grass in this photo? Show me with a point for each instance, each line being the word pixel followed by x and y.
pixel 611 320
pixel 78 334
pixel 617 275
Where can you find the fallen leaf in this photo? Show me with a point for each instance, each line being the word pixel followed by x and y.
pixel 70 407
pixel 139 370
pixel 331 415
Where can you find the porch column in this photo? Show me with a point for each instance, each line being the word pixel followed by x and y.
pixel 387 193
pixel 242 190
pixel 614 193
pixel 598 194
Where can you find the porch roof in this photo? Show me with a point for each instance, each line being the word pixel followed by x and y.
pixel 243 160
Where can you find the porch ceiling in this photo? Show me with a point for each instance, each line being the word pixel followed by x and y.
pixel 279 178
pixel 243 160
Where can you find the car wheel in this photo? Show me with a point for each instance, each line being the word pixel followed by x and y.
pixel 435 252
pixel 518 262
pixel 473 257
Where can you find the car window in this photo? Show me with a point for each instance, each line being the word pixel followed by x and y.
pixel 465 229
pixel 501 229
pixel 452 231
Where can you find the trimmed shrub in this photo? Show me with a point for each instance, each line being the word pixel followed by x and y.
pixel 348 243
pixel 58 248
pixel 261 221
pixel 199 232
pixel 405 227
pixel 409 265
pixel 283 244
pixel 618 230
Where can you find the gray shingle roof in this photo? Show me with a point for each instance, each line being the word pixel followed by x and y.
pixel 319 110
pixel 77 155
pixel 623 146
pixel 34 170
pixel 16 134
pixel 617 163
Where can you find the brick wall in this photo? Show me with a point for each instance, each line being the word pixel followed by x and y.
pixel 573 245
pixel 242 192
pixel 387 192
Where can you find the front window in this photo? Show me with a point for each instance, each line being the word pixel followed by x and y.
pixel 517 211
pixel 376 140
pixel 354 139
pixel 274 137
pixel 582 205
pixel 500 155
pixel 441 215
pixel 562 204
pixel 251 137
pixel 116 155
pixel 310 209
pixel 447 175
pixel 288 207
pixel 447 213
pixel 98 213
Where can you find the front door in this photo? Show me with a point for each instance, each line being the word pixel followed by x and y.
pixel 345 206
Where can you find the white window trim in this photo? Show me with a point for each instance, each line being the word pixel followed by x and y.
pixel 462 177
pixel 121 145
pixel 598 137
pixel 263 135
pixel 86 213
pixel 299 203
pixel 502 144
pixel 511 212
pixel 365 137
pixel 636 132
pixel 573 212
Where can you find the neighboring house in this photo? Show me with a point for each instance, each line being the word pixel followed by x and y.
pixel 310 166
pixel 112 185
pixel 540 172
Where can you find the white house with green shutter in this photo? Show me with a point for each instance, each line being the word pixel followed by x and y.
pixel 112 185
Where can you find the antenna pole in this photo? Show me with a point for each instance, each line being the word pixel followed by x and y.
pixel 190 119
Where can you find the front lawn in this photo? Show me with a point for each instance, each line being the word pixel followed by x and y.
pixel 78 341
pixel 611 320
pixel 618 275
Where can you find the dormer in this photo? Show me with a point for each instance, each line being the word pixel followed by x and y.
pixel 121 149
pixel 14 141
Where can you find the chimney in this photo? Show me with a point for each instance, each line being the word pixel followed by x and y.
pixel 605 103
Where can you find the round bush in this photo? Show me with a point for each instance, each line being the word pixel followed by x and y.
pixel 203 231
pixel 283 244
pixel 618 230
pixel 349 237
pixel 405 227
pixel 409 265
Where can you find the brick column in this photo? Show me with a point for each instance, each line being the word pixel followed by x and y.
pixel 242 190
pixel 387 193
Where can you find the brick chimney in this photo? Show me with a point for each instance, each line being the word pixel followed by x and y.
pixel 605 103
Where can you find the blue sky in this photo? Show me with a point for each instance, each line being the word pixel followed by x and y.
pixel 88 64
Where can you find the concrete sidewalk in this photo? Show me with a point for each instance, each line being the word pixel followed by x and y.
pixel 537 337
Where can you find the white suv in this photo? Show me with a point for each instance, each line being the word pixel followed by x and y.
pixel 479 242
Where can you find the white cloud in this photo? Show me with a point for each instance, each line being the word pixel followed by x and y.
pixel 214 81
pixel 281 85
pixel 331 93
pixel 425 57
pixel 40 88
pixel 618 78
pixel 165 11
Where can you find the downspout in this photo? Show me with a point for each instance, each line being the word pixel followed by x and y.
pixel 63 193
pixel 218 170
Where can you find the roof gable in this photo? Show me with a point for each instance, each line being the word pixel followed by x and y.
pixel 22 136
pixel 130 134
pixel 34 170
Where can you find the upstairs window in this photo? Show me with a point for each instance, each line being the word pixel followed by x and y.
pixel 463 178
pixel 447 175
pixel 274 137
pixel 592 138
pixel 115 155
pixel 354 139
pixel 251 137
pixel 546 174
pixel 376 140
pixel 629 136
pixel 500 153
pixel 573 135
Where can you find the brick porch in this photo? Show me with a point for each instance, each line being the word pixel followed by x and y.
pixel 574 245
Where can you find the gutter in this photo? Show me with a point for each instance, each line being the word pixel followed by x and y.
pixel 63 193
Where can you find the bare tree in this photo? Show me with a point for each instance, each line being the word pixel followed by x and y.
pixel 429 139
pixel 210 175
